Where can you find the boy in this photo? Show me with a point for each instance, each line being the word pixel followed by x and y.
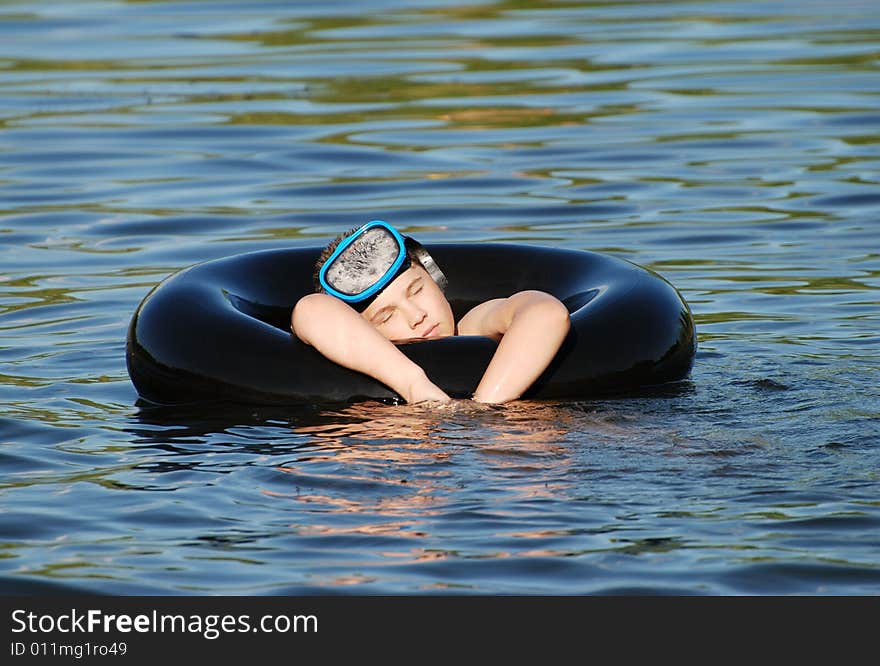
pixel 376 288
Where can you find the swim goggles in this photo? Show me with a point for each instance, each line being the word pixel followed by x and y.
pixel 368 260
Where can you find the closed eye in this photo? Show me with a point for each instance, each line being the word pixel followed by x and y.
pixel 383 315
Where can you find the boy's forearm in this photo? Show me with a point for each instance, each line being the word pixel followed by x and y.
pixel 524 352
pixel 343 336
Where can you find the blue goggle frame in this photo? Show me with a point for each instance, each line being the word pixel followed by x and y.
pixel 383 281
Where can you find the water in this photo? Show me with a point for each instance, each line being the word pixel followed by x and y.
pixel 730 146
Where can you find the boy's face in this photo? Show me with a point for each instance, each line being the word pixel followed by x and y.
pixel 412 306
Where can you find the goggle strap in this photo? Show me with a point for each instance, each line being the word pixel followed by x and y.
pixel 427 262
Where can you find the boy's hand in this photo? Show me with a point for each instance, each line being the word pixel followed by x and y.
pixel 422 389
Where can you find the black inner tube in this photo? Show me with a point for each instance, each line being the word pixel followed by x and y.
pixel 221 330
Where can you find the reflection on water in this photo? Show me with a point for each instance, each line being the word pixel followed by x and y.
pixel 421 445
pixel 729 146
pixel 413 424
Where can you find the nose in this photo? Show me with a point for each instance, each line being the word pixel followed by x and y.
pixel 414 315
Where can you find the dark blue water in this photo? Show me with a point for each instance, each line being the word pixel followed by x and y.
pixel 730 146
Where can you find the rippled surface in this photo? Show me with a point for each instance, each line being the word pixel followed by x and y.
pixel 731 146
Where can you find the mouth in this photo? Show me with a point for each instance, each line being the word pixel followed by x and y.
pixel 431 332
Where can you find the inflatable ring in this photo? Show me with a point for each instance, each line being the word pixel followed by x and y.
pixel 220 330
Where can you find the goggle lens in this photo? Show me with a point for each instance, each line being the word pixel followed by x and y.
pixel 364 263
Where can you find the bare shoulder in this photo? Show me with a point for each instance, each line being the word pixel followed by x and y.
pixel 494 317
pixel 313 304
pixel 479 320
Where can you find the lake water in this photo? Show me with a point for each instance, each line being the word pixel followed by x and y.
pixel 730 146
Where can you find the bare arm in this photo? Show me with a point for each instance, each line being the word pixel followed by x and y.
pixel 531 326
pixel 346 338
